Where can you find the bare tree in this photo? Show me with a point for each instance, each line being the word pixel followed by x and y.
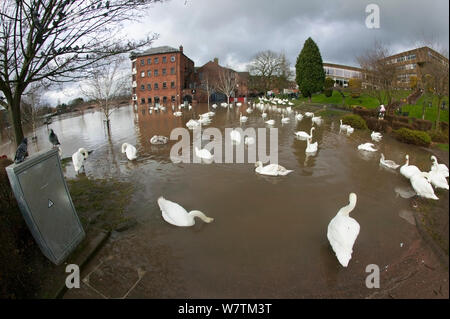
pixel 57 41
pixel 265 67
pixel 208 86
pixel 30 105
pixel 227 82
pixel 436 80
pixel 379 74
pixel 106 85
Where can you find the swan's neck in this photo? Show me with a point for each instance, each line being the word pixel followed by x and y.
pixel 310 132
pixel 345 211
pixel 124 146
pixel 199 214
pixel 407 161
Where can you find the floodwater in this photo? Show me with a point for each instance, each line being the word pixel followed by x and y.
pixel 269 235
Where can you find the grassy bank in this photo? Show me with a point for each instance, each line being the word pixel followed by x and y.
pixel 415 110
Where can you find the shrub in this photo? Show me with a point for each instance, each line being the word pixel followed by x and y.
pixel 422 125
pixel 354 121
pixel 439 136
pixel 328 92
pixel 406 135
pixel 397 125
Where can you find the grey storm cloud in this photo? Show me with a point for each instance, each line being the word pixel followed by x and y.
pixel 234 31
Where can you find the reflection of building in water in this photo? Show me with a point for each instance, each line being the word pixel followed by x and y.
pixel 162 75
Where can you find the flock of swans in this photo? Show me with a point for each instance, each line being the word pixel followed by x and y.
pixel 342 230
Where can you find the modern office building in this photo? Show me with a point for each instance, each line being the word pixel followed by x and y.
pixel 412 63
pixel 341 74
pixel 161 75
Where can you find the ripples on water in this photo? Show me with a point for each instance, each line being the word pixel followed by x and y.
pixel 268 238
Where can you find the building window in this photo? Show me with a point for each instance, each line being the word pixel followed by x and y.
pixel 172 58
pixel 172 84
pixel 164 59
pixel 164 85
pixel 149 87
pixel 173 98
pixel 142 87
pixel 164 71
pixel 149 61
pixel 134 77
pixel 149 100
pixel 155 72
pixel 142 62
pixel 149 73
pixel 156 86
pixel 172 70
pixel 142 74
pixel 143 101
pixel 164 99
pixel 134 90
pixel 156 60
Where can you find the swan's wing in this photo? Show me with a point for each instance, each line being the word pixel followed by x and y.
pixel 172 212
pixel 342 234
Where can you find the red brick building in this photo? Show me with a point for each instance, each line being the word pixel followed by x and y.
pixel 210 72
pixel 161 75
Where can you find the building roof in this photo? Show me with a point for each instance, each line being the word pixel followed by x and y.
pixel 157 50
pixel 340 66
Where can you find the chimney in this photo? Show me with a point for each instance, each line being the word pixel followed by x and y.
pixel 181 48
pixel 216 60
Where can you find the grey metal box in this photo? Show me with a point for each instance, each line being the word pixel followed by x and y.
pixel 41 191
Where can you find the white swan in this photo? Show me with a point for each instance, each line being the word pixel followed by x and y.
pixel 284 119
pixel 178 113
pixel 309 114
pixel 368 147
pixel 376 136
pixel 408 170
pixel 270 122
pixel 191 124
pixel 214 106
pixel 317 120
pixel 264 115
pixel 422 186
pixel 437 179
pixel 159 139
pixel 271 169
pixel 235 136
pixel 249 140
pixel 130 150
pixel 238 104
pixel 441 168
pixel 176 215
pixel 203 153
pixel 350 130
pixel 78 159
pixel 310 148
pixel 343 127
pixel 388 163
pixel 298 116
pixel 243 119
pixel 249 110
pixel 303 135
pixel 204 120
pixel 343 231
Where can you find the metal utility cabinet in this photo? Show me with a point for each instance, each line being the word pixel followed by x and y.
pixel 41 191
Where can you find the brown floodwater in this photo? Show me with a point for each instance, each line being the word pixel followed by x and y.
pixel 268 238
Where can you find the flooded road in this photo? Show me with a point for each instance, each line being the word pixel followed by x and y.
pixel 269 235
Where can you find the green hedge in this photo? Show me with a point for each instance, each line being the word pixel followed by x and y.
pixel 406 135
pixel 355 121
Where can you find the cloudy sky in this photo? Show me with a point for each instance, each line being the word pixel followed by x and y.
pixel 235 30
